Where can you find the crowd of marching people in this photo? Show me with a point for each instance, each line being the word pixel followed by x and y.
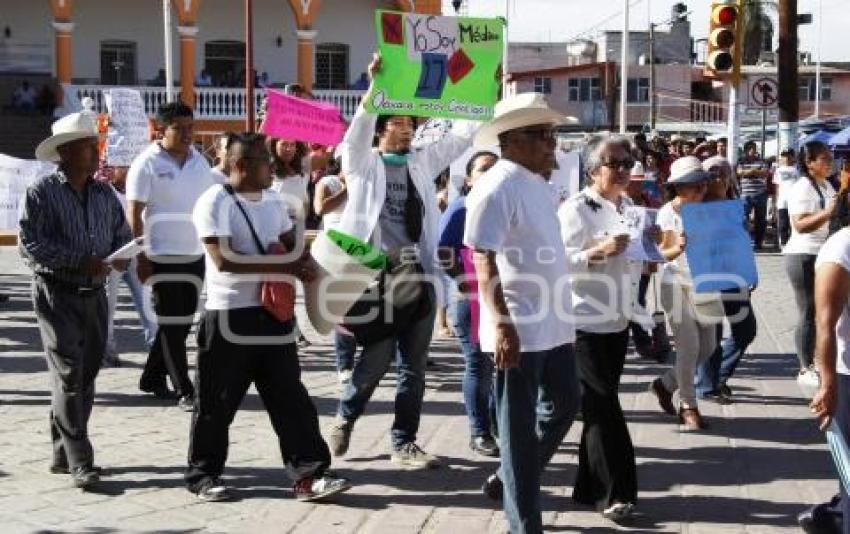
pixel 541 295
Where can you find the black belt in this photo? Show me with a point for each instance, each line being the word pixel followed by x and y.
pixel 69 287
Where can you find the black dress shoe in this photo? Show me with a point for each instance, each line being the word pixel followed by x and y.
pixel 484 445
pixel 493 488
pixel 60 469
pixel 85 477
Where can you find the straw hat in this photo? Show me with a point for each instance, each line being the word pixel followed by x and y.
pixel 519 111
pixel 69 128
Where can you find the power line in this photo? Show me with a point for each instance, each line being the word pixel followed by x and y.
pixel 590 32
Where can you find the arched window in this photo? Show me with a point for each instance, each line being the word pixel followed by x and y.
pixel 224 61
pixel 118 62
pixel 331 66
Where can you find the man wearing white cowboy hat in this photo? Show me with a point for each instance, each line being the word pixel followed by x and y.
pixel 523 280
pixel 69 224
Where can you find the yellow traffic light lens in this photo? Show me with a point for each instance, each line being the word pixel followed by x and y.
pixel 722 38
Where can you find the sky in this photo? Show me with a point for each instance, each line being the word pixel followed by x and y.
pixel 559 20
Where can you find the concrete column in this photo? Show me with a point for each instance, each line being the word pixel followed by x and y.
pixel 62 41
pixel 187 63
pixel 306 62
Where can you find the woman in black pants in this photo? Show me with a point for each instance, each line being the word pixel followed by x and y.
pixel 593 230
pixel 811 203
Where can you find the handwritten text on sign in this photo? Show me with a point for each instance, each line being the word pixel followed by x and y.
pixel 719 251
pixel 437 66
pixel 296 119
pixel 127 136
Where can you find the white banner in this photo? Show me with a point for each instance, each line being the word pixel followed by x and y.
pixel 15 176
pixel 128 126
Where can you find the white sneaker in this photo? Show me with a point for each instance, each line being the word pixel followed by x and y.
pixel 809 381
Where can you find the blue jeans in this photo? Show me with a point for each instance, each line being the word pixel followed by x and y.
pixel 718 369
pixel 478 394
pixel 412 343
pixel 758 205
pixel 345 346
pixel 536 403
pixel 142 304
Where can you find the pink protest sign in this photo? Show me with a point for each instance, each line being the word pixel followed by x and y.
pixel 296 119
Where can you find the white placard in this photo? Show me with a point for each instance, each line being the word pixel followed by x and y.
pixel 15 176
pixel 128 251
pixel 641 246
pixel 128 126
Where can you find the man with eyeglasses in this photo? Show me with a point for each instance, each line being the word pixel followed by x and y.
pixel 163 184
pixel 392 202
pixel 524 286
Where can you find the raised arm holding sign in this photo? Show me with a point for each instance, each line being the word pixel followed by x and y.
pixel 437 66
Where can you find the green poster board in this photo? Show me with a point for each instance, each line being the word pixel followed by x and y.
pixel 437 66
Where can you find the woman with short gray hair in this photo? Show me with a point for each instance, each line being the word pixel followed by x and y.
pixel 594 233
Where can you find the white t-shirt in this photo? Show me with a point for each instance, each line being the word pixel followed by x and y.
pixel 217 215
pixel 837 250
pixel 218 176
pixel 331 218
pixel 511 211
pixel 293 190
pixel 169 193
pixel 803 198
pixel 677 271
pixel 784 178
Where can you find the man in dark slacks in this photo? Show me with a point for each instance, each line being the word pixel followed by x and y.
pixel 69 225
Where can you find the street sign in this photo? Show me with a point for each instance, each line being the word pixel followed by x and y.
pixel 764 93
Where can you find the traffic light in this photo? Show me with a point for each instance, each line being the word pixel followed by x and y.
pixel 724 41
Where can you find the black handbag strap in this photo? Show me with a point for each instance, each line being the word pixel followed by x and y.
pixel 229 189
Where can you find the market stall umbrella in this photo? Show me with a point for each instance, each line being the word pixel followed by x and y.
pixel 841 139
pixel 821 135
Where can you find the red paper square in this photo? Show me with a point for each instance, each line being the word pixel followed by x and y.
pixel 459 66
pixel 392 28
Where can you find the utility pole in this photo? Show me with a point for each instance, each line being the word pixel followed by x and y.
pixel 789 91
pixel 250 125
pixel 817 67
pixel 624 68
pixel 652 101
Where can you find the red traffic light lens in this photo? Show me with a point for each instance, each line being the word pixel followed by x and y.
pixel 724 15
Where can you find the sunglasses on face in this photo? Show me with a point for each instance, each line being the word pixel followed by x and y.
pixel 621 165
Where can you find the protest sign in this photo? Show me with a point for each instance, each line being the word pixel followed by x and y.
pixel 296 119
pixel 437 66
pixel 15 176
pixel 719 251
pixel 127 135
pixel 641 245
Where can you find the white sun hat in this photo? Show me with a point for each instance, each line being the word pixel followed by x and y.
pixel 69 128
pixel 687 170
pixel 519 111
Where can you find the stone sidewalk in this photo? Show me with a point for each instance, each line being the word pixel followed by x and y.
pixel 759 464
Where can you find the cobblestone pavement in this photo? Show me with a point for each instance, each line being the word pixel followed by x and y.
pixel 759 464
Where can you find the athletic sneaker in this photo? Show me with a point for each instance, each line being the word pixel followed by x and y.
pixel 344 376
pixel 618 511
pixel 313 489
pixel 410 454
pixel 214 490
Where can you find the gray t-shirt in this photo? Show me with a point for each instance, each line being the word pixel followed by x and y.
pixel 393 230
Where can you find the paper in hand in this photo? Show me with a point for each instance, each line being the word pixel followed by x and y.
pixel 128 251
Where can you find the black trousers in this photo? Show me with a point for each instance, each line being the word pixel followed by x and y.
pixel 73 332
pixel 266 356
pixel 175 301
pixel 639 335
pixel 606 468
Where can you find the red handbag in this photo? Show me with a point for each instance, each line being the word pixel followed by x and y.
pixel 277 296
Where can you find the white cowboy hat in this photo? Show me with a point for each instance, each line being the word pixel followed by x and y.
pixel 518 111
pixel 69 128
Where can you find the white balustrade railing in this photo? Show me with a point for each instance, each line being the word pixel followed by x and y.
pixel 218 103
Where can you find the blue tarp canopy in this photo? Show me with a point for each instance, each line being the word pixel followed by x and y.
pixel 841 139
